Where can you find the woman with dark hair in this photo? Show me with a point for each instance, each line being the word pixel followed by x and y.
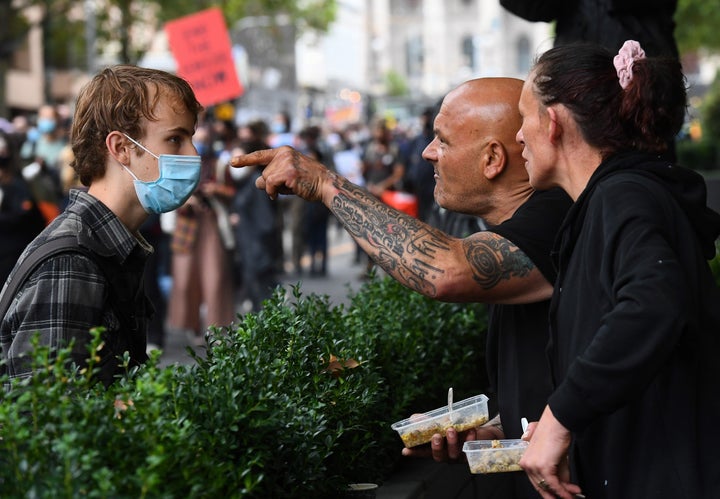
pixel 635 317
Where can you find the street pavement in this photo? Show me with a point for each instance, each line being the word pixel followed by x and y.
pixel 343 277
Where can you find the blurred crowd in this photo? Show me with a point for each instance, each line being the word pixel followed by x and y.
pixel 224 251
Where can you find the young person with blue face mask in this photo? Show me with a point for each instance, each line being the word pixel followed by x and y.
pixel 132 142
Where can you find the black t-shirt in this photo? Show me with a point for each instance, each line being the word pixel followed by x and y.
pixel 518 335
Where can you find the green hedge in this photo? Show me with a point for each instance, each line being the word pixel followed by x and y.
pixel 702 155
pixel 715 263
pixel 295 401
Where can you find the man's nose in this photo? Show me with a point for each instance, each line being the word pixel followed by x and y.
pixel 428 153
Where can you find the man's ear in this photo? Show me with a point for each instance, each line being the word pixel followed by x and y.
pixel 494 159
pixel 117 147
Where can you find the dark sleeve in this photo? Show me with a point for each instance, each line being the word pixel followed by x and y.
pixel 534 10
pixel 648 303
pixel 62 300
pixel 643 7
pixel 534 225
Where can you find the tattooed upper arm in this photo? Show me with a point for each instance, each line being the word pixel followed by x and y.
pixel 426 259
pixel 494 259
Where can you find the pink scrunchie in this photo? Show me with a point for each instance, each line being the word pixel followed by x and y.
pixel 630 52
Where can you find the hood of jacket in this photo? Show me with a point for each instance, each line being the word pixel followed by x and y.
pixel 686 186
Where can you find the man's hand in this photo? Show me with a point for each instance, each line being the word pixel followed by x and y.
pixel 450 448
pixel 287 171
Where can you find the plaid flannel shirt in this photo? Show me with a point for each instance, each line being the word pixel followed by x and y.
pixel 66 295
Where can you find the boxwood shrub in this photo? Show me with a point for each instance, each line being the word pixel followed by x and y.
pixel 294 401
pixel 715 263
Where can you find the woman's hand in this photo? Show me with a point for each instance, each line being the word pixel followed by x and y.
pixel 546 459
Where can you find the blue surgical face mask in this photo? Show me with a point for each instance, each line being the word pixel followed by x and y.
pixel 33 135
pixel 179 176
pixel 46 125
pixel 201 148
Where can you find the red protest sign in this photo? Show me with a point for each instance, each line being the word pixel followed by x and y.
pixel 200 45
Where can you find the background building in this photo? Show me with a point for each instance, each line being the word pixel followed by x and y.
pixel 401 55
pixel 379 56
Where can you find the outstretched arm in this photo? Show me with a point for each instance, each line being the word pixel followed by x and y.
pixel 483 267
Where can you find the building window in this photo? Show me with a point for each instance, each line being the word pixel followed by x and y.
pixel 414 56
pixel 524 58
pixel 468 52
pixel 403 7
pixel 21 56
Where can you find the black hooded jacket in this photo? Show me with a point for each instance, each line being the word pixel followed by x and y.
pixel 635 333
pixel 606 22
pixel 611 22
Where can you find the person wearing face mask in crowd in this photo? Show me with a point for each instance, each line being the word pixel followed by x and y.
pixel 281 130
pixel 258 228
pixel 49 138
pixel 132 142
pixel 293 207
pixel 20 218
pixel 42 152
pixel 202 246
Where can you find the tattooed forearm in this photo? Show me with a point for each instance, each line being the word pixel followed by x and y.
pixel 493 260
pixel 368 219
pixel 401 245
pixel 428 243
pixel 309 188
pixel 348 205
pixel 416 280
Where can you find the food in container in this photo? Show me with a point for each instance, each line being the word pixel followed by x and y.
pixel 494 456
pixel 464 415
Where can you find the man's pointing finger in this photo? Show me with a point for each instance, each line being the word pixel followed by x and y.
pixel 262 157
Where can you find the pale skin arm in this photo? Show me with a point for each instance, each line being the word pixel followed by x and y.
pixel 546 458
pixel 483 267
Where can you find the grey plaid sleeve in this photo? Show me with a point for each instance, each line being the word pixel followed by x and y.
pixel 62 300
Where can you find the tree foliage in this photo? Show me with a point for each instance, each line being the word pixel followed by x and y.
pixel 306 15
pixel 696 25
pixel 710 112
pixel 117 20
